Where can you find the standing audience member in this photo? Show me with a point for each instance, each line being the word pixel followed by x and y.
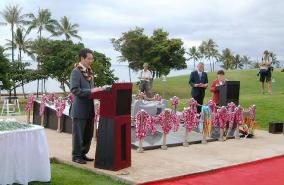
pixel 198 81
pixel 145 77
pixel 265 72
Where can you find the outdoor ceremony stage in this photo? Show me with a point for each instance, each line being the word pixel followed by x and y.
pixel 153 165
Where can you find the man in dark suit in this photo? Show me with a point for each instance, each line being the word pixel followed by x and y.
pixel 198 81
pixel 82 110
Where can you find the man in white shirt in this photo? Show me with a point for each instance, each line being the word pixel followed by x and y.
pixel 145 77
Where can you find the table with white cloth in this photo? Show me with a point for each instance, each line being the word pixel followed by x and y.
pixel 24 156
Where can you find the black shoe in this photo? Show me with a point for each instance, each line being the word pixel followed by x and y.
pixel 80 161
pixel 87 158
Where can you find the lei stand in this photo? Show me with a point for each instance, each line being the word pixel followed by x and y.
pixel 29 108
pixel 222 121
pixel 141 128
pixel 59 106
pixel 42 109
pixel 175 102
pixel 231 117
pixel 239 120
pixel 166 126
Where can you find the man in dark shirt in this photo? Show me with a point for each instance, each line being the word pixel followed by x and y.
pixel 198 81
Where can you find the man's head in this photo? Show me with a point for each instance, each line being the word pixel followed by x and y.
pixel 200 66
pixel 145 65
pixel 221 75
pixel 86 57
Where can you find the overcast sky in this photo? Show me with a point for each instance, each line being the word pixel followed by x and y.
pixel 248 27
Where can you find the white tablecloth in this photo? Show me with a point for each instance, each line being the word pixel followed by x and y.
pixel 24 156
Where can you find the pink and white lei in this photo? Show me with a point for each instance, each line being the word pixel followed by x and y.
pixel 141 125
pixel 42 104
pixel 251 111
pixel 168 121
pixel 175 102
pixel 59 106
pixel 190 119
pixel 239 111
pixel 222 117
pixel 231 114
pixel 29 105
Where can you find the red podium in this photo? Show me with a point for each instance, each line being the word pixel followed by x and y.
pixel 113 150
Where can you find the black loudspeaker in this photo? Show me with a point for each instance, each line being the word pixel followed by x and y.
pixel 229 93
pixel 275 127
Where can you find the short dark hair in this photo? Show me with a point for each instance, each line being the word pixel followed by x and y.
pixel 220 72
pixel 83 52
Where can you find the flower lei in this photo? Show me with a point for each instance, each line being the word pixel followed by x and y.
pixel 42 104
pixel 88 74
pixel 51 98
pixel 140 96
pixel 222 117
pixel 239 111
pixel 190 119
pixel 141 127
pixel 151 123
pixel 231 114
pixel 70 98
pixel 157 97
pixel 251 111
pixel 59 106
pixel 29 105
pixel 193 105
pixel 175 102
pixel 168 121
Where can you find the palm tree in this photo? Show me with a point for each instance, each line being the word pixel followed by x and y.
pixel 42 21
pixel 64 27
pixel 12 16
pixel 246 61
pixel 227 58
pixel 211 51
pixel 238 62
pixel 23 45
pixel 274 59
pixel 194 54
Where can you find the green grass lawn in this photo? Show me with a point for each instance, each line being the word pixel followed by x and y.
pixel 269 107
pixel 67 175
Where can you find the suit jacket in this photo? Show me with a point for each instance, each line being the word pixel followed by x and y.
pixel 82 106
pixel 194 79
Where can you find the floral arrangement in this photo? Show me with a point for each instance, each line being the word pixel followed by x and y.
pixel 29 105
pixel 42 104
pixel 190 119
pixel 157 97
pixel 175 102
pixel 141 124
pixel 59 107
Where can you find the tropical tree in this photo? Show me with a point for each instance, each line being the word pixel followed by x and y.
pixel 12 16
pixel 274 59
pixel 162 53
pixel 66 28
pixel 237 62
pixel 227 59
pixel 246 61
pixel 4 69
pixel 194 55
pixel 42 21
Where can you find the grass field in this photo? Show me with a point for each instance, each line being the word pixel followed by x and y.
pixel 269 107
pixel 67 175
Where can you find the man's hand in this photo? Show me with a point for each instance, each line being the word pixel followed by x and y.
pixel 96 89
